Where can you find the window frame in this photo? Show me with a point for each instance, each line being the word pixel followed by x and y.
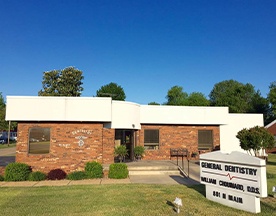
pixel 34 139
pixel 209 143
pixel 147 140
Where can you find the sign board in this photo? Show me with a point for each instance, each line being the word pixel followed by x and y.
pixel 236 179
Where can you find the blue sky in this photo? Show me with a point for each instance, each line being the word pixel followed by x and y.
pixel 145 46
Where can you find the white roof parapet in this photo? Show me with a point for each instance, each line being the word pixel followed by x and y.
pixel 270 124
pixel 44 108
pixel 153 114
pixel 125 115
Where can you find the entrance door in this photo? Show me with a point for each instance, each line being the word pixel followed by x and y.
pixel 125 137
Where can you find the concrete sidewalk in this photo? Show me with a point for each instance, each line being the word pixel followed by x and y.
pixel 140 172
pixel 135 179
pixel 64 182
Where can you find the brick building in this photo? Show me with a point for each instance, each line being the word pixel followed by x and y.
pixel 67 132
pixel 271 127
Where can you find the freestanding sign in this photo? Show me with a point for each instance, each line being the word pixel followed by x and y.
pixel 237 179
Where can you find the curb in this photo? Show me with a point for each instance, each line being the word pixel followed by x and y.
pixel 102 181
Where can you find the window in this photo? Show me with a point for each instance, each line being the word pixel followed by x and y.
pixel 151 139
pixel 39 140
pixel 205 139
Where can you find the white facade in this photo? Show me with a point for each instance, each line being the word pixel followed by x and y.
pixel 151 114
pixel 127 115
pixel 235 123
pixel 58 109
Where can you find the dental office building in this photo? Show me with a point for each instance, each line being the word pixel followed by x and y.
pixel 67 132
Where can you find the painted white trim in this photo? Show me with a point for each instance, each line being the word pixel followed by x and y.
pixel 270 124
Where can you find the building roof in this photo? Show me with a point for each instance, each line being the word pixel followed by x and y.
pixel 270 124
pixel 115 114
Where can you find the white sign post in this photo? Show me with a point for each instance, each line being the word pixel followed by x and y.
pixel 237 180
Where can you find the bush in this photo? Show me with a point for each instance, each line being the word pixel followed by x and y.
pixel 37 176
pixel 118 171
pixel 255 139
pixel 139 151
pixel 1 178
pixel 17 172
pixel 56 174
pixel 77 175
pixel 94 170
pixel 121 152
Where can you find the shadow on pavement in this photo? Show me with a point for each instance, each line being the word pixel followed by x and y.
pixel 5 160
pixel 184 180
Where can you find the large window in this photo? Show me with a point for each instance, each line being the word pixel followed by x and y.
pixel 205 139
pixel 151 139
pixel 39 140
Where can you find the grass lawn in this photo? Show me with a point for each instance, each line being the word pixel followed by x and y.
pixel 271 173
pixel 123 199
pixel 130 199
pixel 2 146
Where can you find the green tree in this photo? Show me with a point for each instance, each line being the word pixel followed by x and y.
pixel 233 94
pixel 66 82
pixel 176 96
pixel 261 105
pixel 153 103
pixel 255 139
pixel 4 125
pixel 2 101
pixel 112 90
pixel 272 98
pixel 197 99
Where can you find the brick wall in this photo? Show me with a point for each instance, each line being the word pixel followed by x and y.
pixel 272 129
pixel 65 152
pixel 109 144
pixel 176 136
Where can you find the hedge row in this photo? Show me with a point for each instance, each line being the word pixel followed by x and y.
pixel 22 172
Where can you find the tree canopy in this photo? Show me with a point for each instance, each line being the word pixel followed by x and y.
pixel 235 95
pixel 153 103
pixel 272 98
pixel 2 101
pixel 112 90
pixel 4 125
pixel 197 99
pixel 66 82
pixel 177 97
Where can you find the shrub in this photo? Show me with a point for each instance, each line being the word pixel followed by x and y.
pixel 17 172
pixel 56 174
pixel 118 171
pixel 255 139
pixel 93 170
pixel 1 178
pixel 139 151
pixel 121 152
pixel 77 175
pixel 37 176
